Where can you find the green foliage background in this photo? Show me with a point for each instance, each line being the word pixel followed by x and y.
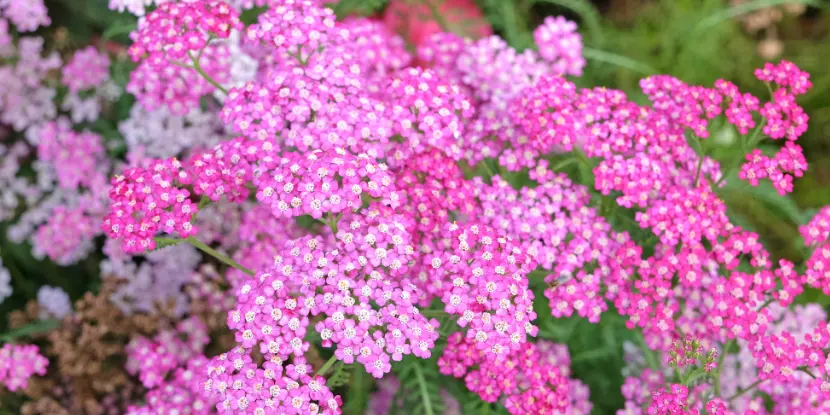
pixel 697 41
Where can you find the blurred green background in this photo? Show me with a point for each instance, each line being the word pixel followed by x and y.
pixel 697 41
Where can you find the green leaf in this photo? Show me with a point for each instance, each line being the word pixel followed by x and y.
pixel 162 243
pixel 341 374
pixel 359 388
pixel 745 8
pixel 419 384
pixel 118 29
pixel 618 60
pixel 781 207
pixel 516 32
pixel 763 210
pixel 37 327
pixel 598 353
pixel 478 407
pixel 250 16
pixel 345 8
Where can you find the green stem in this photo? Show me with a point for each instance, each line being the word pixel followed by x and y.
pixel 497 167
pixel 694 375
pixel 753 140
pixel 749 388
pixel 214 253
pixel 28 286
pixel 326 366
pixel 583 158
pixel 538 274
pixel 422 385
pixel 726 349
pixel 699 166
pixel 198 68
pixel 204 201
pixel 560 166
pixel 650 359
pixel 698 148
pixel 766 304
pixel 333 221
pixel 434 313
pixel 807 371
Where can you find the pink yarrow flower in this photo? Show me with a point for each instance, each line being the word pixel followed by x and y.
pixel 18 363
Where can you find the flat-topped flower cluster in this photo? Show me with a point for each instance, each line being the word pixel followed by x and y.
pixel 365 204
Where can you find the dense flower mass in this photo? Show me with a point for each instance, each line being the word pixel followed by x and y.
pixel 54 301
pixel 145 201
pixel 87 69
pixel 26 15
pixel 561 45
pixel 24 99
pixel 5 283
pixel 309 213
pixel 174 45
pixel 174 30
pixel 18 364
pixel 74 156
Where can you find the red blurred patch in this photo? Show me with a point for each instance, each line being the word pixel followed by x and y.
pixel 415 22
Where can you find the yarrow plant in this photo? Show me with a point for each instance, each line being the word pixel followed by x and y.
pixel 303 207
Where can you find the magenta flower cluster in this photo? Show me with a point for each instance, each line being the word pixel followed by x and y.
pixel 376 205
pixel 146 201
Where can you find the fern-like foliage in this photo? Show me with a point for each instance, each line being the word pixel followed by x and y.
pixel 510 19
pixel 360 384
pixel 162 243
pixel 470 402
pixel 420 386
pixel 474 405
pixel 341 374
pixel 492 12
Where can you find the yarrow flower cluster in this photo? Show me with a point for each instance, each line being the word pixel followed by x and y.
pixel 173 46
pixel 295 28
pixel 76 157
pixel 323 182
pixel 783 119
pixel 561 45
pixel 145 201
pixel 54 301
pixel 162 277
pixel 26 15
pixel 530 380
pixel 152 360
pixel 18 363
pixel 293 388
pixel 174 30
pixel 817 237
pixel 308 193
pixel 160 134
pixel 24 100
pixel 87 69
pixel 429 111
pixel 486 286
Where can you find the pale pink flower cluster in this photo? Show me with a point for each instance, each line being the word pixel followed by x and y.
pixel 18 363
